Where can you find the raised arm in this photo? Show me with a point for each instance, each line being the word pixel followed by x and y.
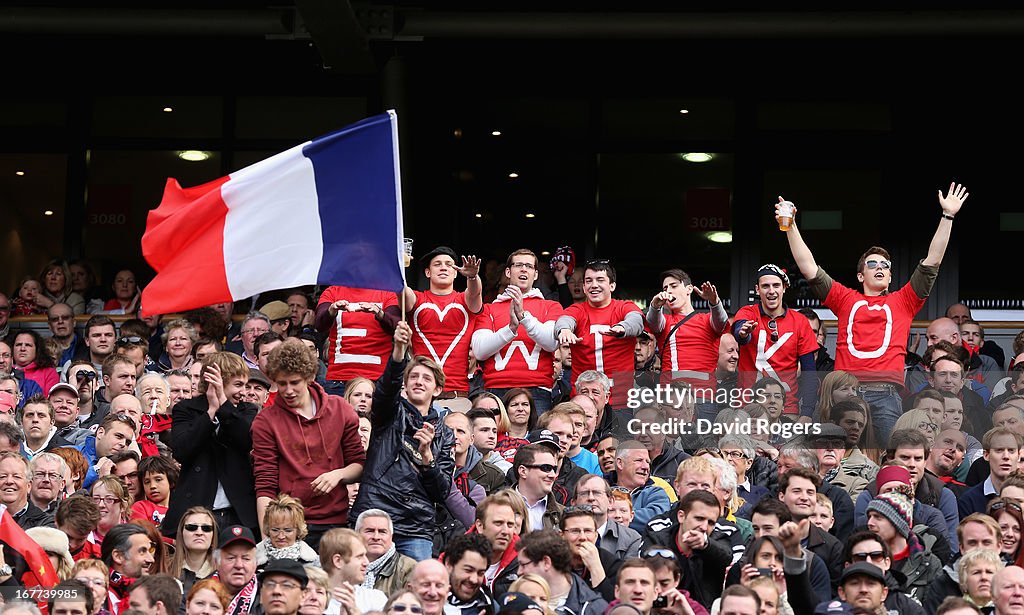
pixel 474 287
pixel 801 253
pixel 951 204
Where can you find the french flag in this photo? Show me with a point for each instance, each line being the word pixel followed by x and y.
pixel 328 211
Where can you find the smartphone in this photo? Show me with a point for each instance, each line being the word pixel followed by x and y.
pixel 765 572
pixel 660 602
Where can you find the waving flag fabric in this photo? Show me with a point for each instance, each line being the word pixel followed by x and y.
pixel 328 211
pixel 40 572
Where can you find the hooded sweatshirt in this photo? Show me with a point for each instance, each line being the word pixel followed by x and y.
pixel 290 452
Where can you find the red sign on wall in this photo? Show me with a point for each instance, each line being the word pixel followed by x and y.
pixel 707 209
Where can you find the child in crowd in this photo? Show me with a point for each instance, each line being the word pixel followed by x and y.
pixel 823 516
pixel 158 475
pixel 25 303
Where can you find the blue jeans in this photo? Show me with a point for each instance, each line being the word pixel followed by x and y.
pixel 418 549
pixel 541 397
pixel 335 387
pixel 886 408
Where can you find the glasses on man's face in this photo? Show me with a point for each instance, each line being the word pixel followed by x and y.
pixel 591 493
pixel 868 556
pixel 873 264
pixel 398 607
pixel 195 527
pixel 546 468
pixel 774 328
pixel 579 531
pixel 256 331
pixel 928 427
pixel 735 454
pixel 60 317
pixel 50 476
pixel 529 266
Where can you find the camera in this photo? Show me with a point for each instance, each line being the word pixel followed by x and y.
pixel 660 602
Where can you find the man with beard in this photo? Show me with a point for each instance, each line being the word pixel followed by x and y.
pixel 778 343
pixel 863 585
pixel 466 559
pixel 945 456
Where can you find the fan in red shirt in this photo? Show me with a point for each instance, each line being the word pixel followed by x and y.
pixel 359 325
pixel 874 323
pixel 603 330
pixel 514 338
pixel 777 342
pixel 441 318
pixel 688 340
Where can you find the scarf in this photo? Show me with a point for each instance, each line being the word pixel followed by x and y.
pixel 243 600
pixel 376 565
pixel 152 424
pixel 117 592
pixel 292 552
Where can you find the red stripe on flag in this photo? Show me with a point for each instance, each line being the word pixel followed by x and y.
pixel 184 243
pixel 40 570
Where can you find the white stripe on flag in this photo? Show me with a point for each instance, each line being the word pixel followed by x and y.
pixel 272 234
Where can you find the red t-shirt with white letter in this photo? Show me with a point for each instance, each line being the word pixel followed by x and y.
pixel 613 356
pixel 357 344
pixel 522 362
pixel 780 359
pixel 692 350
pixel 441 330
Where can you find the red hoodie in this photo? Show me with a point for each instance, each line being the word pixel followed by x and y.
pixel 290 452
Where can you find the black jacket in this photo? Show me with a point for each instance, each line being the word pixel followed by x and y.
pixel 703 573
pixel 582 600
pixel 829 549
pixel 664 465
pixel 33 517
pixel 209 454
pixel 393 480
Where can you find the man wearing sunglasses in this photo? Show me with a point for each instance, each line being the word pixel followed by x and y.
pixel 777 342
pixel 535 468
pixel 867 546
pixel 874 324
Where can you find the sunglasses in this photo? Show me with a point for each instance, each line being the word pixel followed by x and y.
pixel 666 553
pixel 873 264
pixel 131 339
pixel 869 555
pixel 401 608
pixel 194 527
pixel 546 468
pixel 774 328
pixel 1001 504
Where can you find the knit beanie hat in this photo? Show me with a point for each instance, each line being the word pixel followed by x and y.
pixel 897 508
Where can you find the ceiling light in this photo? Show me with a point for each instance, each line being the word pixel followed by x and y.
pixel 684 111
pixel 479 215
pixel 513 175
pixel 696 157
pixel 495 133
pixel 48 212
pixel 545 253
pixel 168 109
pixel 19 173
pixel 193 155
pixel 531 215
pixel 720 237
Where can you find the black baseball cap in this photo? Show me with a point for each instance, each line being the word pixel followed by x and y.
pixel 518 602
pixel 429 256
pixel 287 567
pixel 235 533
pixel 862 569
pixel 544 436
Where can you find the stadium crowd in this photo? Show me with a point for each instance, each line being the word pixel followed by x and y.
pixel 529 445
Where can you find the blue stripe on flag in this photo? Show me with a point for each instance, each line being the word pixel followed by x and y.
pixel 360 205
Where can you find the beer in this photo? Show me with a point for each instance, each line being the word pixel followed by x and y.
pixel 407 247
pixel 785 214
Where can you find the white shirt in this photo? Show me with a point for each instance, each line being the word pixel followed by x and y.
pixel 535 511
